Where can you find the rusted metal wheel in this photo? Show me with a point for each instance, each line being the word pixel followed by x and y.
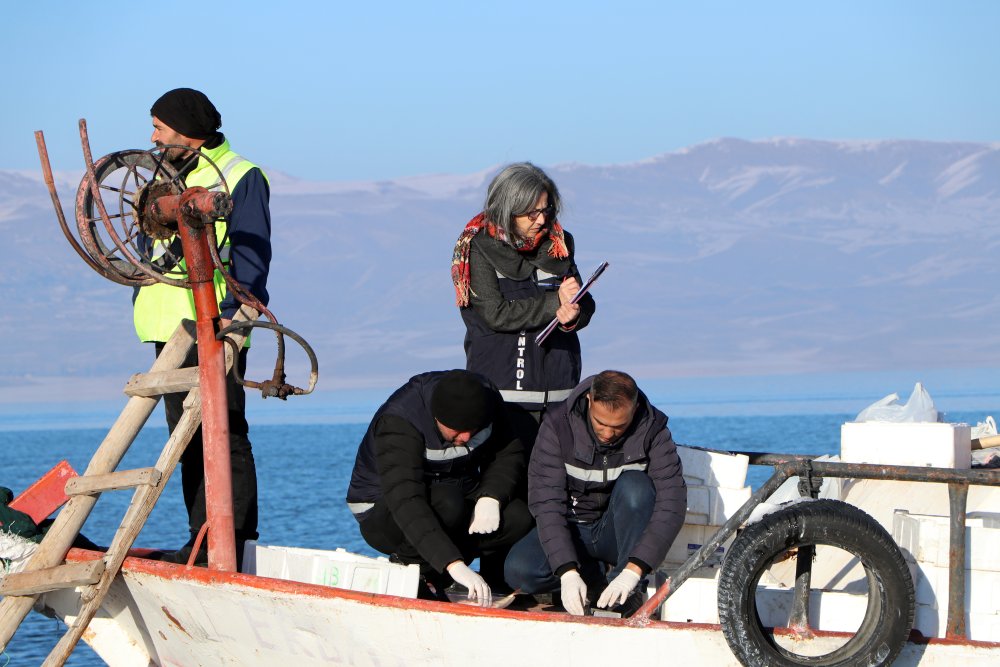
pixel 115 229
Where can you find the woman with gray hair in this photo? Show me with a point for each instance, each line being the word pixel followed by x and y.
pixel 514 271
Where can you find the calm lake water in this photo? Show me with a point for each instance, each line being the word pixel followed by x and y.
pixel 304 468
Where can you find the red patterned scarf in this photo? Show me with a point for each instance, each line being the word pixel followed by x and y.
pixel 460 274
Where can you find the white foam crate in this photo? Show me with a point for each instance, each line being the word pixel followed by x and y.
pixel 696 601
pixel 689 540
pixel 832 611
pixel 713 505
pixel 982 588
pixel 925 538
pixel 339 568
pixel 702 468
pixel 933 622
pixel 914 444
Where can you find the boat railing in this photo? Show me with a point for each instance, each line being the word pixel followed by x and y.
pixel 811 473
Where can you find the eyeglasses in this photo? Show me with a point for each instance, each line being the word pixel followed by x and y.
pixel 533 214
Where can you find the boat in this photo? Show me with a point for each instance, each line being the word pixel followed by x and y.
pixel 829 562
pixel 159 613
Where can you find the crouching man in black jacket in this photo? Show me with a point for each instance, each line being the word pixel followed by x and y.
pixel 434 480
pixel 605 486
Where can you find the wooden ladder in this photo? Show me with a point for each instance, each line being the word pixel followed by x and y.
pixel 47 569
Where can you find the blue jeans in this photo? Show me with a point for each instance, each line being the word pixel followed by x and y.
pixel 607 541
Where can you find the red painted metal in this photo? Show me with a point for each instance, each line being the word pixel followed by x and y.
pixel 43 155
pixel 47 494
pixel 195 209
pixel 196 549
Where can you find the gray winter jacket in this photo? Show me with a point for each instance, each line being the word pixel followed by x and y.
pixel 571 476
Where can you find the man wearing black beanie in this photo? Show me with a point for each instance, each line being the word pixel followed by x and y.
pixel 188 112
pixel 435 478
pixel 186 126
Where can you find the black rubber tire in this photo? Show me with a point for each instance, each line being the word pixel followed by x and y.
pixel 888 618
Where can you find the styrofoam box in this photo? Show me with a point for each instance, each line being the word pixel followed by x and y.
pixel 926 538
pixel 696 601
pixel 932 622
pixel 982 588
pixel 340 569
pixel 689 540
pixel 704 468
pixel 713 505
pixel 912 444
pixel 833 611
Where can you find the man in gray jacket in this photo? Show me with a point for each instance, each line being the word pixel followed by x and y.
pixel 606 490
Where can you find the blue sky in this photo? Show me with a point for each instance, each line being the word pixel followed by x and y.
pixel 366 91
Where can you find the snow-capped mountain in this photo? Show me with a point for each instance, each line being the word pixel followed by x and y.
pixel 729 257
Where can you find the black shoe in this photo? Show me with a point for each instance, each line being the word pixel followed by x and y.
pixel 430 591
pixel 182 555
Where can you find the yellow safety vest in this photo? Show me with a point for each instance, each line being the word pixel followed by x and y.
pixel 159 307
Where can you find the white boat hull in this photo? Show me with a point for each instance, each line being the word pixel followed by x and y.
pixel 162 614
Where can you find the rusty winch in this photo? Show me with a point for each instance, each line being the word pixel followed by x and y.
pixel 130 206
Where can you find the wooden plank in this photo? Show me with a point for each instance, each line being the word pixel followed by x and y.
pixel 986 442
pixel 68 575
pixel 112 481
pixel 164 382
pixel 142 504
pixel 65 528
pixel 144 499
pixel 47 494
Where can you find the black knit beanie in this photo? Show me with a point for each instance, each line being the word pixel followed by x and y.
pixel 462 402
pixel 188 112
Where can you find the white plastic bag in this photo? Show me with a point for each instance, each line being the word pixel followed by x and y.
pixel 919 408
pixel 984 429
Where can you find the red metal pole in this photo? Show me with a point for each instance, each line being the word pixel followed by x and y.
pixel 193 205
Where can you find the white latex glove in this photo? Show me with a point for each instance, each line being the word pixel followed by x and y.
pixel 478 589
pixel 574 592
pixel 486 516
pixel 619 589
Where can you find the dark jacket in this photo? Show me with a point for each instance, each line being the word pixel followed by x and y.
pixel 250 233
pixel 563 486
pixel 402 453
pixel 513 296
